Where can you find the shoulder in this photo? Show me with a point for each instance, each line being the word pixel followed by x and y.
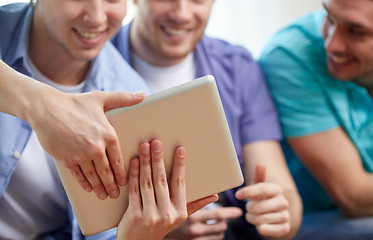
pixel 221 50
pixel 11 14
pixel 12 17
pixel 231 62
pixel 118 74
pixel 300 37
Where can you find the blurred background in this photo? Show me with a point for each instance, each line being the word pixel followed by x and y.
pixel 245 22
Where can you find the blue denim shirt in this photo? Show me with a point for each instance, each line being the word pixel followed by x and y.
pixel 109 72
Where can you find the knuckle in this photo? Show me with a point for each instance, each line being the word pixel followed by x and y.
pixel 168 218
pixel 90 173
pixel 134 189
pixel 180 181
pixel 151 220
pixel 224 226
pixel 148 183
pixel 104 171
pixel 219 216
pixel 162 180
pixel 182 216
pixel 253 208
pixel 110 136
pixel 137 217
pixel 285 217
pixel 116 162
pixel 285 229
pixel 252 219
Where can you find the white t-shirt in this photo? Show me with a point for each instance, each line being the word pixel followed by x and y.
pixel 34 201
pixel 160 78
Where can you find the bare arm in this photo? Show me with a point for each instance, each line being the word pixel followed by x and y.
pixel 72 128
pixel 335 162
pixel 278 180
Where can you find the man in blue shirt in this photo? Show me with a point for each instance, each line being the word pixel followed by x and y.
pixel 166 45
pixel 319 70
pixel 64 44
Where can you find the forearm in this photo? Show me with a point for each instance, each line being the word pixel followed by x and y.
pixel 357 199
pixel 336 163
pixel 17 92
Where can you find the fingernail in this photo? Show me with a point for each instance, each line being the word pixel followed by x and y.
pixel 146 149
pixel 139 94
pixel 123 182
pixel 88 189
pixel 114 194
pixel 157 148
pixel 181 152
pixel 102 196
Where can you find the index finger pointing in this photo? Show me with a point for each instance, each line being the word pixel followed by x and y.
pixel 219 214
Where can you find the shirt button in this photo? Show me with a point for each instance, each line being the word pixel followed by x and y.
pixel 17 154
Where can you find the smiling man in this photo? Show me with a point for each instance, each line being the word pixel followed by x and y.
pixel 320 72
pixel 166 44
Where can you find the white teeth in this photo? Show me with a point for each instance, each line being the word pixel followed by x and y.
pixel 88 35
pixel 339 60
pixel 175 32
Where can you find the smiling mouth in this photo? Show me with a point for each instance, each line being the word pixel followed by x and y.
pixel 340 59
pixel 88 35
pixel 175 32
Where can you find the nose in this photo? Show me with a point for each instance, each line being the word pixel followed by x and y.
pixel 181 11
pixel 334 40
pixel 94 13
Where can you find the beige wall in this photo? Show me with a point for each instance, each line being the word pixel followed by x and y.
pixel 251 22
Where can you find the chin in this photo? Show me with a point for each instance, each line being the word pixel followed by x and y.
pixel 85 55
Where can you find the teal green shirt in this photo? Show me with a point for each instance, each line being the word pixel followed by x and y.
pixel 310 101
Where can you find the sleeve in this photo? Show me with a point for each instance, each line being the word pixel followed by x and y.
pixel 107 235
pixel 259 120
pixel 298 91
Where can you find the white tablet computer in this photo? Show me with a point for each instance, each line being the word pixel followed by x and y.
pixel 190 115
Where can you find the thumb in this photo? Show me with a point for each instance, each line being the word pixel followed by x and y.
pixel 260 173
pixel 112 100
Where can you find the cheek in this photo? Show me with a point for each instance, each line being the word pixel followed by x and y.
pixel 116 17
pixel 324 29
pixel 116 13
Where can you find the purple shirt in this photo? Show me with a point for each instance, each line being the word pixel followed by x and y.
pixel 248 107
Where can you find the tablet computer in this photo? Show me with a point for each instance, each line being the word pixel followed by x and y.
pixel 190 115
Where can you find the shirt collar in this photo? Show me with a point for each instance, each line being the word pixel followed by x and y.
pixel 19 48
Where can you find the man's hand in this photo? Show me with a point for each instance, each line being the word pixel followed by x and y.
pixel 156 207
pixel 267 209
pixel 199 226
pixel 75 131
